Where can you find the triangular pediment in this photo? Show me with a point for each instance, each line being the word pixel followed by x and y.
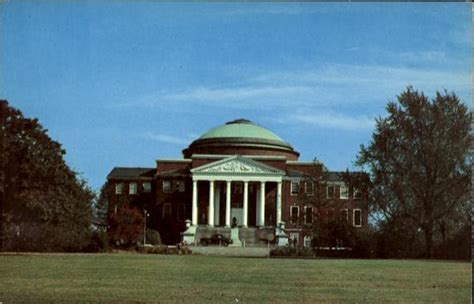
pixel 237 165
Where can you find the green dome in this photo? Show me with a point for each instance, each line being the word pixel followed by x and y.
pixel 241 128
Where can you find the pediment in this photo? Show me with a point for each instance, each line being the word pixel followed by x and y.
pixel 237 165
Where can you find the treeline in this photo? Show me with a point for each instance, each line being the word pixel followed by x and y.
pixel 417 188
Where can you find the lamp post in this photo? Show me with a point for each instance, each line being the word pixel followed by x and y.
pixel 145 214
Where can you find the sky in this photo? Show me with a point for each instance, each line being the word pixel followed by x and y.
pixel 125 83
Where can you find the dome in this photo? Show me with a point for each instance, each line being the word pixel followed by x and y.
pixel 240 137
pixel 242 128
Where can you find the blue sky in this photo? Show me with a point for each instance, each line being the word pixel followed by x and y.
pixel 123 84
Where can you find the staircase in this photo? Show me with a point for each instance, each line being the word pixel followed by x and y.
pixel 257 236
pixel 252 236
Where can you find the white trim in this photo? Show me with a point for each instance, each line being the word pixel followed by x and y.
pixel 354 217
pixel 291 188
pixel 262 169
pixel 340 192
pixel 306 188
pixel 264 173
pixel 297 214
pixel 117 187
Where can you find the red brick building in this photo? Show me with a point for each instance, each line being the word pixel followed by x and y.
pixel 238 173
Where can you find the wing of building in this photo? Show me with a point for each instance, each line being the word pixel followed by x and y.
pixel 241 176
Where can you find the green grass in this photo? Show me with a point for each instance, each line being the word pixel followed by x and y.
pixel 134 278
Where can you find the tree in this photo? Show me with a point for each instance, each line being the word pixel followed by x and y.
pixel 45 205
pixel 419 163
pixel 126 226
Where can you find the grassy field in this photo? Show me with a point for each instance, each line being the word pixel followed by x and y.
pixel 133 278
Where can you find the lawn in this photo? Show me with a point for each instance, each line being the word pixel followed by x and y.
pixel 134 278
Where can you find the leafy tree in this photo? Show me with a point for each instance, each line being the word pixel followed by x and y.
pixel 126 226
pixel 419 164
pixel 45 206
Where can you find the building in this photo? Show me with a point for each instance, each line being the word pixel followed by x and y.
pixel 238 174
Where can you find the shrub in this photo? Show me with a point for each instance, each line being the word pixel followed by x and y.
pixel 153 237
pixel 292 251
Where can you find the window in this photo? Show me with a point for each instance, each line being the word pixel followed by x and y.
pixel 118 188
pixel 146 187
pixel 295 187
pixel 356 194
pixel 166 210
pixel 132 188
pixel 309 188
pixel 180 186
pixel 294 238
pixel 181 212
pixel 307 241
pixel 357 218
pixel 294 210
pixel 166 186
pixel 344 216
pixel 308 215
pixel 344 192
pixel 330 191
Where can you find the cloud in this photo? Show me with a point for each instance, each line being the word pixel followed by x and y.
pixel 169 139
pixel 245 96
pixel 330 120
pixel 329 85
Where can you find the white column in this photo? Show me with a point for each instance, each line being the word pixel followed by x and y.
pixel 210 217
pixel 262 204
pixel 278 204
pixel 194 219
pixel 246 204
pixel 217 203
pixel 227 204
pixel 257 207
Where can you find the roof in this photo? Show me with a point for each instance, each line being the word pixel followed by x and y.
pixel 174 173
pixel 121 172
pixel 241 128
pixel 294 173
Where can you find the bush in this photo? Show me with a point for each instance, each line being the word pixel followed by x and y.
pixel 162 249
pixel 153 237
pixel 292 251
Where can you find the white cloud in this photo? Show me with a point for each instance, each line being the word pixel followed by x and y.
pixel 332 86
pixel 169 139
pixel 331 120
pixel 246 96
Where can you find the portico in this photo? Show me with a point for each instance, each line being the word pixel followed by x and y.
pixel 235 170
